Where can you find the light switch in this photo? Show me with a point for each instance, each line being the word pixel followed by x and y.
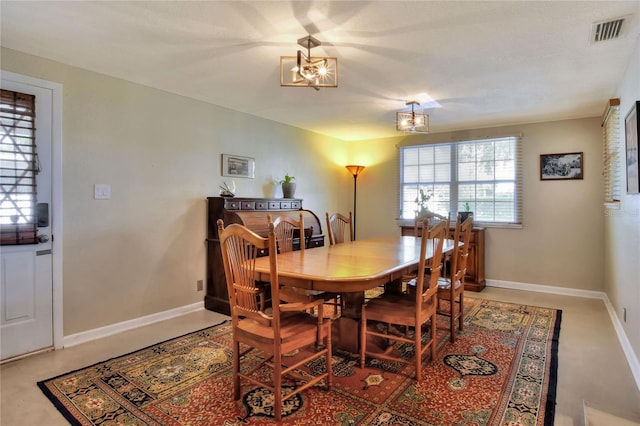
pixel 101 191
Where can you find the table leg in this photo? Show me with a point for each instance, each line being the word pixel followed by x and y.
pixel 346 328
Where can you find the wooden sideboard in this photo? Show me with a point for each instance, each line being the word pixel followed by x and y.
pixel 474 279
pixel 252 213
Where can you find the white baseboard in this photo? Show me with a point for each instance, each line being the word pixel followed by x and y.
pixel 547 289
pixel 632 358
pixel 97 333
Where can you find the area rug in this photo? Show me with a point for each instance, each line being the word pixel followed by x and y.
pixel 501 370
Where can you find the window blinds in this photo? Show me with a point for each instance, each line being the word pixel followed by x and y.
pixel 611 152
pixel 18 169
pixel 484 172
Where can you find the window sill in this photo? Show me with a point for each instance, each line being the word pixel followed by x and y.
pixel 409 222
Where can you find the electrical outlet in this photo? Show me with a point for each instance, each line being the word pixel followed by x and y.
pixel 200 285
pixel 101 191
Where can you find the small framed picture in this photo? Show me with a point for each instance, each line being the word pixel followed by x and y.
pixel 561 166
pixel 238 167
pixel 632 134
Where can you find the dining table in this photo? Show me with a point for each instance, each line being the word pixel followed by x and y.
pixel 350 268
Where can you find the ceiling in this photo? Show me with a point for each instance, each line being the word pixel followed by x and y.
pixel 484 63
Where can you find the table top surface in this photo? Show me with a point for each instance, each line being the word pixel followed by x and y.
pixel 350 266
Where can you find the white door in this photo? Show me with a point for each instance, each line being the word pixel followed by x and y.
pixel 26 275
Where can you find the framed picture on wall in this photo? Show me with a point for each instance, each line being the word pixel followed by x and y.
pixel 632 133
pixel 239 167
pixel 561 166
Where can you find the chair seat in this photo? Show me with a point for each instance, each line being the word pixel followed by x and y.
pixel 396 308
pixel 445 284
pixel 293 325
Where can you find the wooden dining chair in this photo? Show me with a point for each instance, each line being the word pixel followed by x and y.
pixel 285 229
pixel 337 225
pixel 285 328
pixel 451 287
pixel 405 310
pixel 430 219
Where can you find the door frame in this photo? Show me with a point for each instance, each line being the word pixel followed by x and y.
pixel 56 195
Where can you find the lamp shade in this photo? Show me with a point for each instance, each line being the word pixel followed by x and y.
pixel 355 170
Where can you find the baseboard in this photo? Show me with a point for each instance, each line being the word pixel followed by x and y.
pixel 539 288
pixel 632 358
pixel 97 333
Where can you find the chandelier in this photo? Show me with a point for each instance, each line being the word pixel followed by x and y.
pixel 412 122
pixel 303 70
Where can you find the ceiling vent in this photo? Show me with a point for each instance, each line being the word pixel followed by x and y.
pixel 606 30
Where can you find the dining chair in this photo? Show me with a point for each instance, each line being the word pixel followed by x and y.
pixel 337 225
pixel 285 328
pixel 396 313
pixel 285 230
pixel 429 219
pixel 451 288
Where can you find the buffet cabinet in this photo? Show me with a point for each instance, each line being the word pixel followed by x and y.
pixel 474 279
pixel 252 213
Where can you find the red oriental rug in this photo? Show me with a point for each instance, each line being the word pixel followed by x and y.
pixel 501 371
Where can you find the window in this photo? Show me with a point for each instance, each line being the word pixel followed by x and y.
pixel 18 169
pixel 610 153
pixel 485 173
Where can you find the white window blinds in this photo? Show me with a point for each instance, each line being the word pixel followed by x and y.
pixel 611 152
pixel 486 174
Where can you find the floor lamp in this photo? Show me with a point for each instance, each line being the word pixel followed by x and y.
pixel 355 171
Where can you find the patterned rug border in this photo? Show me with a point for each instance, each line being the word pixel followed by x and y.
pixel 60 406
pixel 549 403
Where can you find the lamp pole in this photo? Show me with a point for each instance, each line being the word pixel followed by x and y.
pixel 355 171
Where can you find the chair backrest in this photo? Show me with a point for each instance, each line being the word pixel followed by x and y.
pixel 429 220
pixel 337 225
pixel 432 242
pixel 240 247
pixel 285 229
pixel 459 266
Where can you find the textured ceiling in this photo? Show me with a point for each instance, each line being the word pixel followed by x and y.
pixel 484 63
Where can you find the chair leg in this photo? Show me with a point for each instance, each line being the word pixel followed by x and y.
pixel 452 311
pixel 434 341
pixel 461 315
pixel 363 338
pixel 320 321
pixel 236 370
pixel 277 382
pixel 418 351
pixel 328 357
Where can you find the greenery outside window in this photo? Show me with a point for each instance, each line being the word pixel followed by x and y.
pixel 485 173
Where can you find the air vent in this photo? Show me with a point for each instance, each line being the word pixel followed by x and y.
pixel 607 30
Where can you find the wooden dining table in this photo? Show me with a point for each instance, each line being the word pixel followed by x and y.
pixel 350 268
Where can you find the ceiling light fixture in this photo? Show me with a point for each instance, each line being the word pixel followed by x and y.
pixel 307 71
pixel 412 122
